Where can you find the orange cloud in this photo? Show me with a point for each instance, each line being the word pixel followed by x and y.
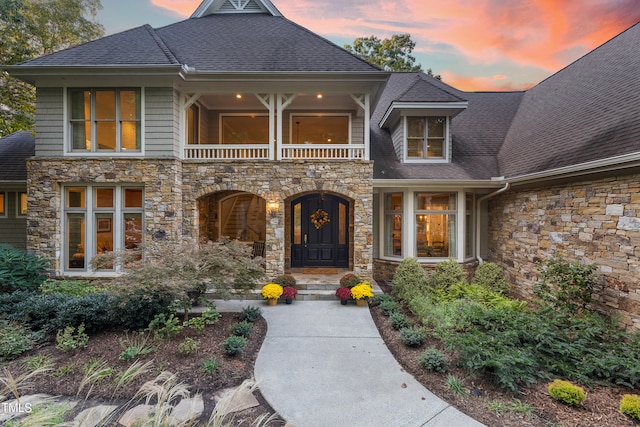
pixel 181 7
pixel 497 82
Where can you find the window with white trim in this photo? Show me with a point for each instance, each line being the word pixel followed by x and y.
pixel 435 219
pixel 320 128
pixel 393 217
pixel 241 128
pixel 21 204
pixel 426 138
pixel 105 120
pixel 99 219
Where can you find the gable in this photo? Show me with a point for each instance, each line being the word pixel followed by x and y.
pixel 211 7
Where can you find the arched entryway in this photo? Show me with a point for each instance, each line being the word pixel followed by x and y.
pixel 234 215
pixel 319 230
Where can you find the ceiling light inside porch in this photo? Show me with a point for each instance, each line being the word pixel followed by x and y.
pixel 319 96
pixel 238 96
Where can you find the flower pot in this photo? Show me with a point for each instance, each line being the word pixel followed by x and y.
pixel 361 302
pixel 343 301
pixel 288 300
pixel 272 301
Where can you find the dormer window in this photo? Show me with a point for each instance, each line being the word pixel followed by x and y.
pixel 426 138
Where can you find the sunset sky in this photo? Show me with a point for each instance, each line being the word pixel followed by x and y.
pixel 474 44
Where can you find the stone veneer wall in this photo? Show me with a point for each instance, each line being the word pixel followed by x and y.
pixel 280 181
pixel 162 192
pixel 589 222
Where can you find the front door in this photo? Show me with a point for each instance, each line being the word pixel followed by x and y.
pixel 319 225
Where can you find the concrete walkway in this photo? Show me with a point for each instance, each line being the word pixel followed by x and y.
pixel 325 364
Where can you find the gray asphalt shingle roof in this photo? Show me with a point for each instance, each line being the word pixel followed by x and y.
pixel 15 149
pixel 215 43
pixel 588 111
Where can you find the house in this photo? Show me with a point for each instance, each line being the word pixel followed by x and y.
pixel 15 149
pixel 239 123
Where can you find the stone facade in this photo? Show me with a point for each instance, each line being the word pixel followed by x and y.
pixel 589 222
pixel 172 189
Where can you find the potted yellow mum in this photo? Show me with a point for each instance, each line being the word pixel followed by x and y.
pixel 271 292
pixel 361 292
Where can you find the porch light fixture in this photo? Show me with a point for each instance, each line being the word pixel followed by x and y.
pixel 273 208
pixel 319 96
pixel 238 96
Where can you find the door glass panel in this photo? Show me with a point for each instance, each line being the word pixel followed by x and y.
pixel 297 224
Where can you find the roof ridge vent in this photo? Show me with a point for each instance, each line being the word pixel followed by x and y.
pixel 210 7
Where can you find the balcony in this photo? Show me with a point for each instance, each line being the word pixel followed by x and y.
pixel 264 152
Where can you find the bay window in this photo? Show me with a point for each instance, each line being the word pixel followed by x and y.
pixel 100 219
pixel 435 219
pixel 105 120
pixel 393 224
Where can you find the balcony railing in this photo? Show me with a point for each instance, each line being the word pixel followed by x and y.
pixel 264 152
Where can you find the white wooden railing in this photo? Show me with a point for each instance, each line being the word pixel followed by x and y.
pixel 322 151
pixel 263 152
pixel 228 152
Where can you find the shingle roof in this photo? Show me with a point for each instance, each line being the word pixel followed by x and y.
pixel 477 132
pixel 423 89
pixel 15 149
pixel 215 43
pixel 588 111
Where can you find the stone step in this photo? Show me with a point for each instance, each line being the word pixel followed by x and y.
pixel 306 292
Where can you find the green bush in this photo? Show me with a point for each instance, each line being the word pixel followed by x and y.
pixel 446 274
pixel 71 339
pixel 412 336
pixel 37 311
pixel 349 280
pixel 210 366
pixel 94 311
pixel 242 329
pixel 72 288
pixel 137 309
pixel 165 327
pixel 565 392
pixel 389 307
pixel 399 321
pixel 250 314
pixel 380 298
pixel 490 276
pixel 189 346
pixel 566 285
pixel 234 345
pixel 409 280
pixel 285 280
pixel 19 270
pixel 15 339
pixel 630 405
pixel 433 360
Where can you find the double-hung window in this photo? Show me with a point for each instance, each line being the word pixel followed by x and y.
pixel 105 120
pixel 426 138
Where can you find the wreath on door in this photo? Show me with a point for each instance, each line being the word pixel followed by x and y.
pixel 319 218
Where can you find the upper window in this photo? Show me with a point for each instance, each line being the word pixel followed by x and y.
pixel 193 124
pixel 3 204
pixel 320 129
pixel 426 138
pixel 244 128
pixel 105 120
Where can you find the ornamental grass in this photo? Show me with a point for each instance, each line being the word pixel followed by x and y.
pixel 271 291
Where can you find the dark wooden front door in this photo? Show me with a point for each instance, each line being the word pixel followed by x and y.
pixel 319 231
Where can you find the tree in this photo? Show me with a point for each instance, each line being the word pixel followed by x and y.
pixel 31 28
pixel 392 54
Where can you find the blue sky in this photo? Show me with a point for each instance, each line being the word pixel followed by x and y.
pixel 473 44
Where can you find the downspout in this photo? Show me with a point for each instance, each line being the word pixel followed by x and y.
pixel 478 202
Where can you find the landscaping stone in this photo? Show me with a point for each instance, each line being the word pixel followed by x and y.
pixel 186 410
pixel 91 417
pixel 134 415
pixel 18 409
pixel 241 397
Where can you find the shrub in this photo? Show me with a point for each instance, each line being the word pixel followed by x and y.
pixel 566 285
pixel 446 274
pixel 241 329
pixel 285 280
pixel 37 311
pixel 165 327
pixel 94 311
pixel 72 288
pixel 15 339
pixel 250 314
pixel 135 345
pixel 71 339
pixel 349 280
pixel 137 308
pixel 566 392
pixel 411 336
pixel 433 360
pixel 210 366
pixel 399 321
pixel 389 307
pixel 19 270
pixel 630 405
pixel 189 346
pixel 380 298
pixel 490 276
pixel 408 280
pixel 234 345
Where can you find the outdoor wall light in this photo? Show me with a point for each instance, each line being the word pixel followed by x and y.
pixel 273 208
